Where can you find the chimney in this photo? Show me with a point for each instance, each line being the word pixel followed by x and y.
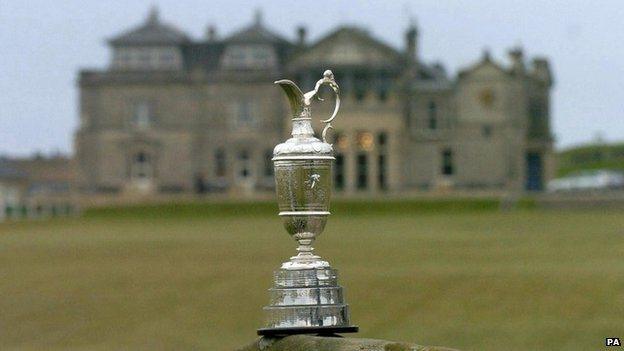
pixel 301 36
pixel 517 60
pixel 541 70
pixel 152 17
pixel 411 45
pixel 258 18
pixel 211 33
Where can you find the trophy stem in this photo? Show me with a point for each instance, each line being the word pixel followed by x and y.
pixel 305 259
pixel 305 246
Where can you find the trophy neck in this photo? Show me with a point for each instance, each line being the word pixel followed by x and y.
pixel 302 125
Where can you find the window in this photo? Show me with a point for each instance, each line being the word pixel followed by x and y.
pixel 360 94
pixel 142 115
pixel 200 184
pixel 122 58
pixel 383 86
pixel 447 162
pixel 432 115
pixel 236 57
pixel 145 57
pixel 381 164
pixel 244 165
pixel 220 163
pixel 538 125
pixel 261 56
pixel 244 113
pixel 362 171
pixel 167 58
pixel 382 142
pixel 249 56
pixel 339 180
pixel 360 85
pixel 382 139
pixel 486 131
pixel 383 95
pixel 268 163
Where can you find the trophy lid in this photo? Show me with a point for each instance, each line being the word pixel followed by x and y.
pixel 303 143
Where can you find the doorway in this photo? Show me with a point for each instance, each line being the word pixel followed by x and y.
pixel 534 172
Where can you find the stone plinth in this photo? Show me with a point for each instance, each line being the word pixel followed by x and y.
pixel 317 343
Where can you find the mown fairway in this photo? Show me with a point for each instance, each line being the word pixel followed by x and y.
pixel 195 278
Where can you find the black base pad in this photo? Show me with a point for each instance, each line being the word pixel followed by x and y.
pixel 330 330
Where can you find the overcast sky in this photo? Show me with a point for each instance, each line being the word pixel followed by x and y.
pixel 43 44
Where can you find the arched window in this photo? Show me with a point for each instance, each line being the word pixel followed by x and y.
pixel 432 115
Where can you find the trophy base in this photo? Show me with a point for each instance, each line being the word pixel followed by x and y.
pixel 321 331
pixel 306 301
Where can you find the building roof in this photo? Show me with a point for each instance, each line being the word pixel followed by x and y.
pixel 151 32
pixel 56 168
pixel 256 33
pixel 485 61
pixel 9 172
pixel 348 46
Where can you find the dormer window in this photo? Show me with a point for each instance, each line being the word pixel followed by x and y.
pixel 154 45
pixel 147 58
pixel 249 56
pixel 167 58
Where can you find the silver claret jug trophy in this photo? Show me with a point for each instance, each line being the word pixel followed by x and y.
pixel 305 297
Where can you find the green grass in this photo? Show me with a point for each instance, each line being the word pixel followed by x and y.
pixel 269 208
pixel 194 277
pixel 590 157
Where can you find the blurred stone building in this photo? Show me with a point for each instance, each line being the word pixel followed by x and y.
pixel 176 114
pixel 36 187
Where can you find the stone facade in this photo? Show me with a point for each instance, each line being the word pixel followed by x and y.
pixel 36 187
pixel 173 114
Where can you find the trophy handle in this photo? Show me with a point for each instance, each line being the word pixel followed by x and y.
pixel 328 78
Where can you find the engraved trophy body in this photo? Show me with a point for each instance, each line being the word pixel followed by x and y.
pixel 305 297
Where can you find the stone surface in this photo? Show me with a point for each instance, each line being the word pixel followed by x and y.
pixel 317 343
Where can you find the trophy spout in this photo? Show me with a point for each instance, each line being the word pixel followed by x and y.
pixel 295 96
pixel 300 102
